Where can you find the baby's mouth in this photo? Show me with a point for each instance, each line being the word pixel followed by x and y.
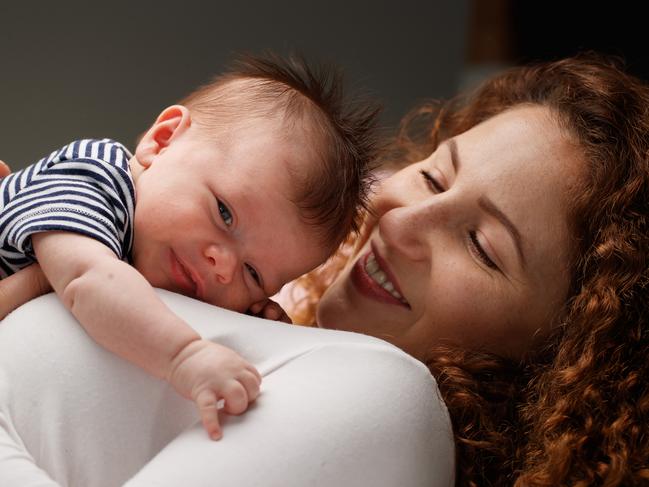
pixel 184 277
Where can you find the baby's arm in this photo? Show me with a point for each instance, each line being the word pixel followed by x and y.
pixel 119 309
pixel 23 286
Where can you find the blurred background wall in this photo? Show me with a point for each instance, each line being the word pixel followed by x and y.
pixel 503 33
pixel 73 69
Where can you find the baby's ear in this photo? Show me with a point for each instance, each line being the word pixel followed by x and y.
pixel 170 124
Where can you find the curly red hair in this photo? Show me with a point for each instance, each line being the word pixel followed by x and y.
pixel 575 412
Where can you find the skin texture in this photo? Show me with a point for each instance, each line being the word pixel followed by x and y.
pixel 188 187
pixel 213 221
pixel 426 233
pixel 425 239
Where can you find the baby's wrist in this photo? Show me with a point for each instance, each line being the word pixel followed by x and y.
pixel 184 352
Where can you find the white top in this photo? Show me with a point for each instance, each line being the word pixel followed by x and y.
pixel 335 409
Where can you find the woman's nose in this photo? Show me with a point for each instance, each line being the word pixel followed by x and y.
pixel 223 262
pixel 401 230
pixel 411 225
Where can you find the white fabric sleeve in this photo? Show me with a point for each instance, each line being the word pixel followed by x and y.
pixel 340 415
pixel 17 467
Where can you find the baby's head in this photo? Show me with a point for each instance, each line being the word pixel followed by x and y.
pixel 251 181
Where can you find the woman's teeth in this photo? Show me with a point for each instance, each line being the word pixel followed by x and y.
pixel 374 271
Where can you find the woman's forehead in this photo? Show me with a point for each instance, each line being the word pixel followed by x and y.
pixel 524 148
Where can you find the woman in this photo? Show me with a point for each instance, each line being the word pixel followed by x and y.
pixel 511 252
pixel 545 378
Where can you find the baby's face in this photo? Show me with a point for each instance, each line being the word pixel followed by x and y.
pixel 213 221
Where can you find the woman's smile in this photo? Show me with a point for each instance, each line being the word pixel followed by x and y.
pixel 372 278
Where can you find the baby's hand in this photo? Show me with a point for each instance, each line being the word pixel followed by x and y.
pixel 25 285
pixel 4 169
pixel 270 310
pixel 207 372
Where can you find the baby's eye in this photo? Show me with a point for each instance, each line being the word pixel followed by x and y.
pixel 253 273
pixel 225 213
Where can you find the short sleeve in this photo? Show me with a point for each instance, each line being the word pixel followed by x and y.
pixel 83 194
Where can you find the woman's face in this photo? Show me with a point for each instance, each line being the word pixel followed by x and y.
pixel 472 244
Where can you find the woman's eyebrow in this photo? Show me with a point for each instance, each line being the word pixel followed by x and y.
pixel 487 205
pixel 452 147
pixel 490 207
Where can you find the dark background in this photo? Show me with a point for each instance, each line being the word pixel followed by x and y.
pixel 73 69
pixel 552 29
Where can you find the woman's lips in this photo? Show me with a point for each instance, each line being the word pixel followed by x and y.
pixel 182 276
pixel 368 287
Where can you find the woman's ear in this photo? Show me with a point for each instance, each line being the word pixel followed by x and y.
pixel 170 124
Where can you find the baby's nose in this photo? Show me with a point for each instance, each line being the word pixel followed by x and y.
pixel 223 262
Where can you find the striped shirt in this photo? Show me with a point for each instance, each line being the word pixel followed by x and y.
pixel 85 187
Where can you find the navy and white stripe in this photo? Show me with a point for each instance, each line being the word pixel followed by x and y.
pixel 85 187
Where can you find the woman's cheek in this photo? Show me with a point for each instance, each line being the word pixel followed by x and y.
pixel 459 308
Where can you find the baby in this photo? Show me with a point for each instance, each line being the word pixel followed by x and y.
pixel 249 182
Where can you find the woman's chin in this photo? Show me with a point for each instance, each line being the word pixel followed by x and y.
pixel 331 310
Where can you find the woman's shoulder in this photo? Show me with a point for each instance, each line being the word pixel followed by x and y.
pixel 267 343
pixel 330 394
pixel 376 398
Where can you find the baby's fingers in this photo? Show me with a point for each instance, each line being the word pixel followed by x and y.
pixel 250 380
pixel 207 403
pixel 239 393
pixel 236 398
pixel 273 311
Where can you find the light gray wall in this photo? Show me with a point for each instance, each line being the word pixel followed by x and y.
pixel 72 69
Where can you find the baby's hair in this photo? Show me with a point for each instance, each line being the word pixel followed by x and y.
pixel 333 194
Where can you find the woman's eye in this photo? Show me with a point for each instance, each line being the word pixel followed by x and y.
pixel 431 182
pixel 436 187
pixel 479 251
pixel 253 273
pixel 225 213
